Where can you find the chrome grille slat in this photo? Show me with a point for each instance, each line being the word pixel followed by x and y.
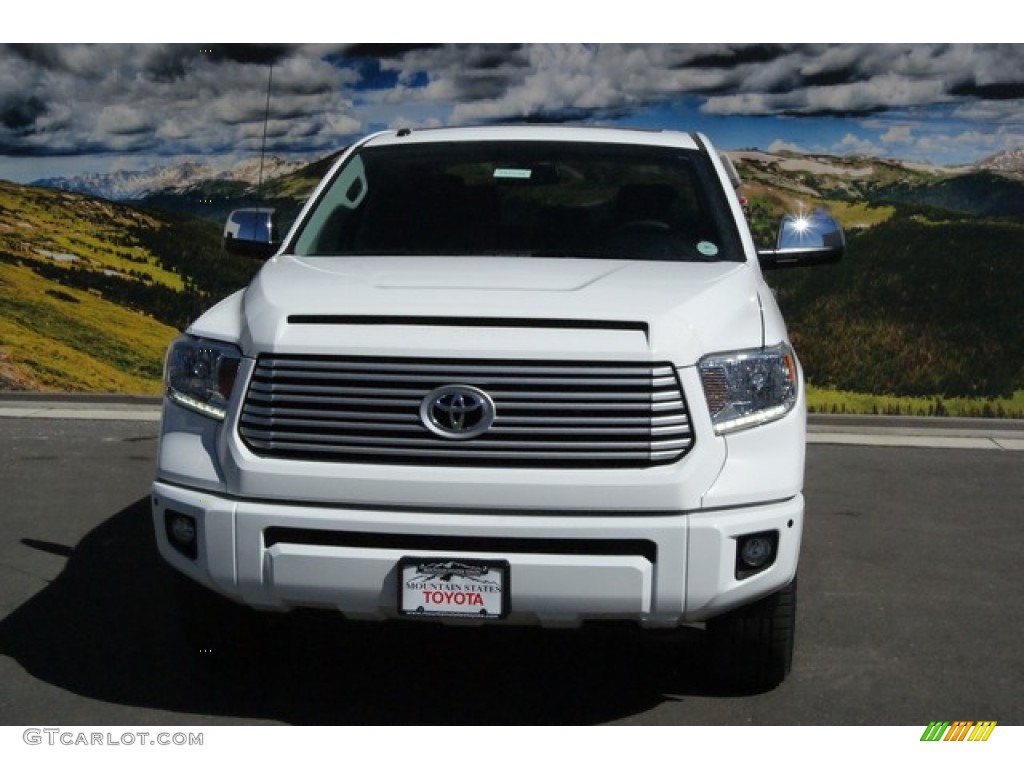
pixel 428 367
pixel 257 413
pixel 571 414
pixel 350 454
pixel 329 390
pixel 267 397
pixel 559 397
pixel 491 380
pixel 481 445
pixel 575 422
pixel 280 425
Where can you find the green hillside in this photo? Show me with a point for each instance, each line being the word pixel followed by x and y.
pixel 926 304
pixel 918 307
pixel 91 292
pixel 981 194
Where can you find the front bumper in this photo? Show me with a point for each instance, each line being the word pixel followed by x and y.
pixel 658 570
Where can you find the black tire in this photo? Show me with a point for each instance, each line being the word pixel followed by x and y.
pixel 752 647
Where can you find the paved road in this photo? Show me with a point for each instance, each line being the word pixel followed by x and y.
pixel 910 609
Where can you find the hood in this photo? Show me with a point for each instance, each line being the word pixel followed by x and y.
pixel 501 305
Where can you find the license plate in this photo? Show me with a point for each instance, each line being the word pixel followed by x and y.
pixel 468 589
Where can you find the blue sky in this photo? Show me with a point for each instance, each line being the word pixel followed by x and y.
pixel 67 109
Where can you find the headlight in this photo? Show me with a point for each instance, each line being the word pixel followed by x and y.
pixel 199 374
pixel 745 389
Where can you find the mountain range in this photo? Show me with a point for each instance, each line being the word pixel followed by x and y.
pixel 1007 161
pixel 137 185
pixel 196 177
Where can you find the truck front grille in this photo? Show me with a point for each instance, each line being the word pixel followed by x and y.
pixel 557 415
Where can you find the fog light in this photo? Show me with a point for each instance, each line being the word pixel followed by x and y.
pixel 181 532
pixel 755 552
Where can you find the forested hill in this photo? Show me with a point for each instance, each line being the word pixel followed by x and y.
pixel 920 306
pixel 927 301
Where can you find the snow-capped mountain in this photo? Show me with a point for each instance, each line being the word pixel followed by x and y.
pixel 1007 161
pixel 135 185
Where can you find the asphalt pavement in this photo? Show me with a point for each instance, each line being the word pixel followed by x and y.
pixel 909 603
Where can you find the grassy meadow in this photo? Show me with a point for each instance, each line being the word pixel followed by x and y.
pixel 91 292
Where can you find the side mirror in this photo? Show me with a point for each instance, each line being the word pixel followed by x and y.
pixel 805 240
pixel 252 232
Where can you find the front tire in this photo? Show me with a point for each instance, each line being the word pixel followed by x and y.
pixel 752 646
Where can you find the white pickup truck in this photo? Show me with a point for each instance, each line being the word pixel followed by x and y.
pixel 524 375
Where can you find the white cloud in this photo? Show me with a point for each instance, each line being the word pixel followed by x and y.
pixel 1009 111
pixel 855 145
pixel 785 146
pixel 177 99
pixel 972 144
pixel 342 124
pixel 897 134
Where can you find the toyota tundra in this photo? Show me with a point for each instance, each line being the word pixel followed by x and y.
pixel 508 375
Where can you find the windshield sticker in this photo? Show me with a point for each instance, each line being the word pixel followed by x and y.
pixel 512 173
pixel 707 249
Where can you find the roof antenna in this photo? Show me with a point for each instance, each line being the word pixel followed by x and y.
pixel 263 144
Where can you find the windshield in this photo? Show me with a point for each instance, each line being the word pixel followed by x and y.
pixel 558 199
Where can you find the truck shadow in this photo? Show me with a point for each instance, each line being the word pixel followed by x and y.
pixel 106 628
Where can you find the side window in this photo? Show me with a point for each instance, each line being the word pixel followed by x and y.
pixel 321 234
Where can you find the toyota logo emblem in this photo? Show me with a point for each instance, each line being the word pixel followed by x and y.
pixel 457 412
